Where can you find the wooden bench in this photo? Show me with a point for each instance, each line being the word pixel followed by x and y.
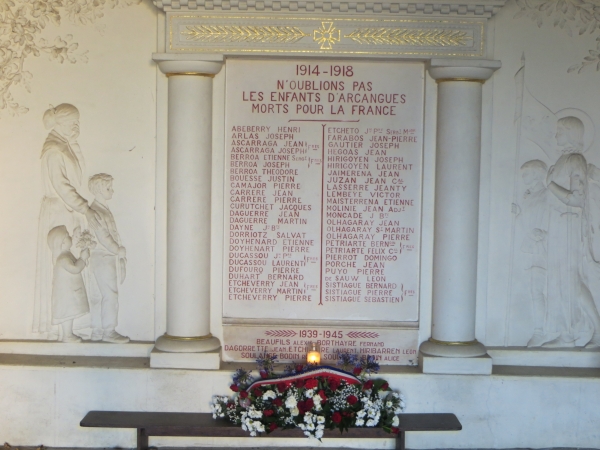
pixel 202 424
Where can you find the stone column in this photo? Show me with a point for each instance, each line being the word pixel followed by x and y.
pixel 188 211
pixel 456 216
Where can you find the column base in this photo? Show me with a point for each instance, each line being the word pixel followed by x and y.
pixel 176 344
pixel 471 349
pixel 478 365
pixel 166 360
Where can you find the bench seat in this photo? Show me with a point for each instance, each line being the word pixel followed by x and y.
pixel 202 424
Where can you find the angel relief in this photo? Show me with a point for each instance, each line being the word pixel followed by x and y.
pixel 557 215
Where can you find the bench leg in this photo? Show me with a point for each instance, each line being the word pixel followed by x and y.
pixel 400 443
pixel 142 439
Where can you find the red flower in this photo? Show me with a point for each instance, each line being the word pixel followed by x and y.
pixel 244 394
pixel 356 371
pixel 305 405
pixel 395 430
pixel 368 385
pixel 234 388
pixel 385 386
pixel 322 395
pixel 311 383
pixel 263 374
pixel 351 399
pixel 282 387
pixel 300 384
pixel 272 426
pixel 257 392
pixel 336 417
pixel 277 402
pixel 333 384
pixel 268 412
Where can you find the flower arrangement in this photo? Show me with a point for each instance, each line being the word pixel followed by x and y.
pixel 84 239
pixel 312 398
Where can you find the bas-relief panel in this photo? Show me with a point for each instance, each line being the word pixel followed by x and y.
pixel 557 214
pixel 545 291
pixel 79 288
pixel 69 287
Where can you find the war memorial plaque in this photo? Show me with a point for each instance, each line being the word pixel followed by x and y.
pixel 322 207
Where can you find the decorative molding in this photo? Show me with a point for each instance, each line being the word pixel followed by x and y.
pixel 403 36
pixel 327 35
pixel 444 8
pixel 301 35
pixel 234 33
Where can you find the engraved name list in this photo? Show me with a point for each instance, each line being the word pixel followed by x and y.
pixel 323 190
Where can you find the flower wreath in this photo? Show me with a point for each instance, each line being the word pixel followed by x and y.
pixel 312 398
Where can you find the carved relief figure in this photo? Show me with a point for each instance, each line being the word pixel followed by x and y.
pixel 69 299
pixel 572 313
pixel 62 205
pixel 534 220
pixel 107 265
pixel 561 214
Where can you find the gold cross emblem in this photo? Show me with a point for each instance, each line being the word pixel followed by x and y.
pixel 327 35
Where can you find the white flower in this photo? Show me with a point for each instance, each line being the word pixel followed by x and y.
pixel 260 427
pixel 291 402
pixel 244 427
pixel 319 434
pixel 320 419
pixel 396 421
pixel 359 422
pixel 371 423
pixel 361 413
pixel 253 433
pixel 309 393
pixel 317 399
pixel 295 412
pixel 255 414
pixel 269 395
pixel 388 404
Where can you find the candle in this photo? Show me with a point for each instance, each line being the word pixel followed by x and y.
pixel 313 355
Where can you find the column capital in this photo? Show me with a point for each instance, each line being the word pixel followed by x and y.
pixel 208 64
pixel 476 70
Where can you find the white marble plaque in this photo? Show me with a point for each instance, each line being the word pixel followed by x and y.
pixel 323 189
pixel 388 346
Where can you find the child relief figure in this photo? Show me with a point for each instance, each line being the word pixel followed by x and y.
pixel 107 265
pixel 535 223
pixel 69 299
